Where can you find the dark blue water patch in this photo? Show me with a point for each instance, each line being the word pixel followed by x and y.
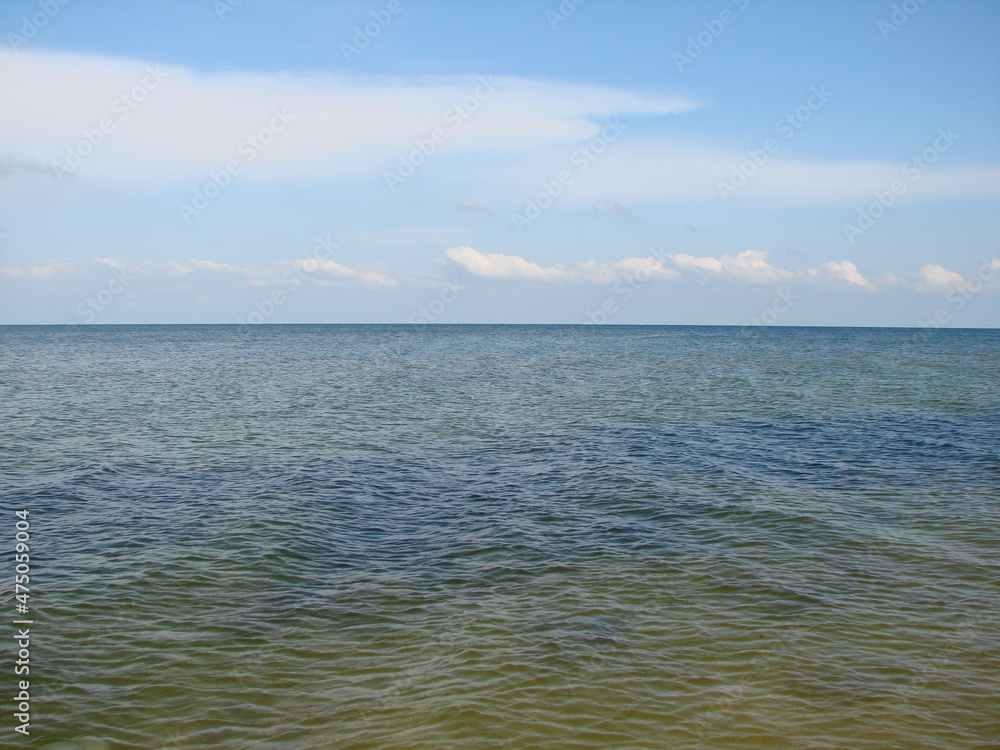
pixel 890 452
pixel 627 489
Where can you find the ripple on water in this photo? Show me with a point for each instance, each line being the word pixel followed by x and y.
pixel 351 537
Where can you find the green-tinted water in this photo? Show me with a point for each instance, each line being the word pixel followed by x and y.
pixel 521 537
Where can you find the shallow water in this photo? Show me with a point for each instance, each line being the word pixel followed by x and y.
pixel 508 536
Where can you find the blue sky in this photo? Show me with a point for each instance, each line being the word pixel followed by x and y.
pixel 724 162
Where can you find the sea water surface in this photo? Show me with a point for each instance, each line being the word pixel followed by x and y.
pixel 507 536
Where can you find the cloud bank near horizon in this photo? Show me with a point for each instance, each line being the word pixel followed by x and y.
pixel 749 267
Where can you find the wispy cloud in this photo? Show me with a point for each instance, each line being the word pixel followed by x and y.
pixel 52 270
pixel 344 125
pixel 349 126
pixel 315 270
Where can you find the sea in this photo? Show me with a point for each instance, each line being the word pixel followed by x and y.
pixel 451 537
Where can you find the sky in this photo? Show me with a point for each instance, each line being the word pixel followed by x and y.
pixel 734 162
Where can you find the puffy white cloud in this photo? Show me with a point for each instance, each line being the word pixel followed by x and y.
pixel 706 263
pixel 750 265
pixel 329 268
pixel 934 278
pixel 940 277
pixel 500 266
pixel 843 270
pixel 514 267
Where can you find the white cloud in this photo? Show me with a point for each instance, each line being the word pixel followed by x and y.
pixel 685 261
pixel 192 124
pixel 54 269
pixel 514 267
pixel 642 170
pixel 934 278
pixel 639 267
pixel 499 266
pixel 189 123
pixel 940 277
pixel 310 269
pixel 843 270
pixel 210 265
pixel 750 265
pixel 321 268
